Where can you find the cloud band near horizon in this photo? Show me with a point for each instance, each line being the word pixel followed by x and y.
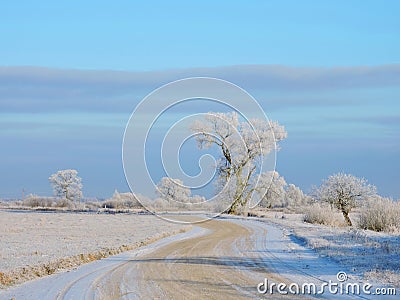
pixel 338 119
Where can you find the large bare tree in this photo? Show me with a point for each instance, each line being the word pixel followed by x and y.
pixel 242 146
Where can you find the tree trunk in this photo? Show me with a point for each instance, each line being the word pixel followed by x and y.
pixel 232 210
pixel 347 218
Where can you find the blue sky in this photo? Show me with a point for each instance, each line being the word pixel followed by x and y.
pixel 71 73
pixel 151 35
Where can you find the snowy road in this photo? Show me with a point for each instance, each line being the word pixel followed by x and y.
pixel 219 259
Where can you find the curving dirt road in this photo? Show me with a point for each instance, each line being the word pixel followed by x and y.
pixel 217 265
pixel 219 259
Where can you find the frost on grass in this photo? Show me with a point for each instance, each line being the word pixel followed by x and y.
pixel 373 255
pixel 44 243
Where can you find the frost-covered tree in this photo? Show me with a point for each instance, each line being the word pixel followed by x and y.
pixel 173 190
pixel 241 145
pixel 294 196
pixel 275 187
pixel 66 184
pixel 343 191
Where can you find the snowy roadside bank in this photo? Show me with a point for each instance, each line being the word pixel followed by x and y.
pixel 35 244
pixel 80 281
pixel 371 255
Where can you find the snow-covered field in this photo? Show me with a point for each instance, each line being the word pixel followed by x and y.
pixel 372 255
pixel 34 244
pixel 226 258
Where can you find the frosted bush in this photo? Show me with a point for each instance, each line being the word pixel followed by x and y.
pixel 36 201
pixel 321 214
pixel 380 214
pixel 65 203
pixel 122 201
pixel 160 204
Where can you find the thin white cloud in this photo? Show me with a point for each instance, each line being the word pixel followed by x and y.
pixel 37 89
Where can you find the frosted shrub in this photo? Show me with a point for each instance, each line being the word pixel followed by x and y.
pixel 118 204
pixel 122 201
pixel 65 203
pixel 110 203
pixel 160 204
pixel 93 205
pixel 36 201
pixel 380 214
pixel 220 206
pixel 321 214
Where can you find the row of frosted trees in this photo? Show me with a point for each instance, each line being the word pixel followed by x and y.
pixel 241 146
